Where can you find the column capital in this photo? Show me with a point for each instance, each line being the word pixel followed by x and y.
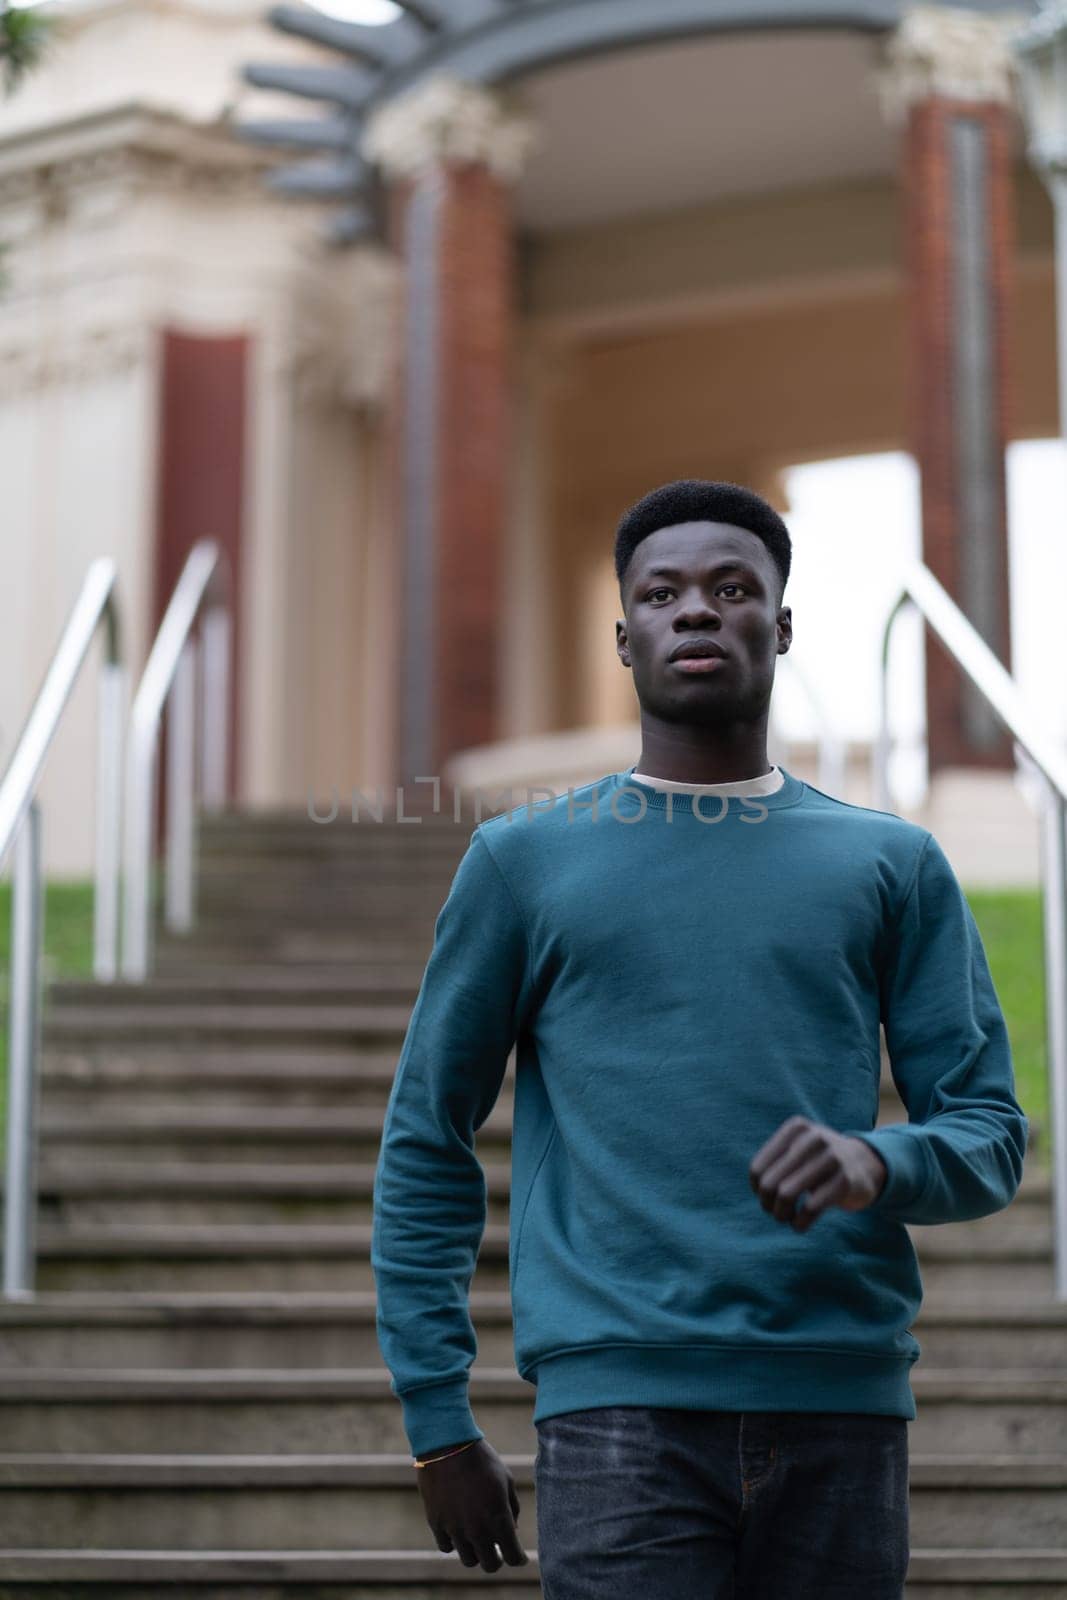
pixel 940 50
pixel 338 343
pixel 444 120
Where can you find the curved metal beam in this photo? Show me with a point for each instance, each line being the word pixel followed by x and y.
pixel 325 134
pixel 493 41
pixel 344 86
pixel 543 34
pixel 457 15
pixel 320 180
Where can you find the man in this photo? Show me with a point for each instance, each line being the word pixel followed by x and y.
pixel 711 1276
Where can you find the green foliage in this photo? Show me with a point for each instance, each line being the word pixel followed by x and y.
pixel 24 37
pixel 23 40
pixel 1010 924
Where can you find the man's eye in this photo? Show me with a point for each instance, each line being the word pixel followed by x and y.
pixel 654 592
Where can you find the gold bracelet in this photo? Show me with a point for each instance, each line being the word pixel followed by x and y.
pixel 444 1457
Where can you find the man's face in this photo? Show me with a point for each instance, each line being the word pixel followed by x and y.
pixel 711 582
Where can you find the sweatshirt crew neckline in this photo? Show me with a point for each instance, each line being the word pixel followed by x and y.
pixel 790 793
pixel 764 783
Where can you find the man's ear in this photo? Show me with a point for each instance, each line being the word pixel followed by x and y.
pixel 622 642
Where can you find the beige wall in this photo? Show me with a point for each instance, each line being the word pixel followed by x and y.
pixel 126 205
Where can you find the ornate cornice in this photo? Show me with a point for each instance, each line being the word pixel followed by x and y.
pixel 942 50
pixel 99 350
pixel 74 15
pixel 67 170
pixel 443 121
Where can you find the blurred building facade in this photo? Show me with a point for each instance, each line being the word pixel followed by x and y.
pixel 520 269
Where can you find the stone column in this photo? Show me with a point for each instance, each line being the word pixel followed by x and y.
pixel 948 82
pixel 450 153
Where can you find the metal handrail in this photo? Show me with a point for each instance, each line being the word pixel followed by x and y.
pixel 832 762
pixel 203 592
pixel 20 824
pixel 992 680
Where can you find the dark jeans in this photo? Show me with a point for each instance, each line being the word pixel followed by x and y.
pixel 658 1503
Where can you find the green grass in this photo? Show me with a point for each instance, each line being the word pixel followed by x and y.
pixel 1009 922
pixel 68 950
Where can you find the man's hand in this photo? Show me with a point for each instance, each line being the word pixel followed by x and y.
pixel 472 1506
pixel 834 1168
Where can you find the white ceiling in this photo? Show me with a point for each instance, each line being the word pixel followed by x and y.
pixel 686 123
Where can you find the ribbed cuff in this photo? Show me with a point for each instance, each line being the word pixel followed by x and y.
pixel 438 1415
pixel 906 1166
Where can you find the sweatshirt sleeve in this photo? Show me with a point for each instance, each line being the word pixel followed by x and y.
pixel 960 1154
pixel 429 1207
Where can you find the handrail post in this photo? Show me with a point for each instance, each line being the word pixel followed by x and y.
pixel 1054 866
pixel 27 919
pixel 215 643
pixel 170 680
pixel 882 748
pixel 181 795
pixel 140 837
pixel 111 720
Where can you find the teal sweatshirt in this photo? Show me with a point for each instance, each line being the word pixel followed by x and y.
pixel 678 975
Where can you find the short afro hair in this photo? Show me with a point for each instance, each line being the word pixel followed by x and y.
pixel 702 500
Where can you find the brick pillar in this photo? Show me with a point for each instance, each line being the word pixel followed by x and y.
pixel 450 153
pixel 200 490
pixel 948 80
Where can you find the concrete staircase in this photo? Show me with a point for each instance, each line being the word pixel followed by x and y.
pixel 195 1404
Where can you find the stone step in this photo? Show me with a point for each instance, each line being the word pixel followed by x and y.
pixel 409 866
pixel 105 1079
pixel 296 1256
pixel 291 946
pixel 261 941
pixel 257 918
pixel 399 825
pixel 143 1328
pixel 246 829
pixel 312 1502
pixel 234 1133
pixel 402 859
pixel 374 885
pixel 388 909
pixel 345 845
pixel 354 1024
pixel 417 826
pixel 253 940
pixel 340 986
pixel 88 1190
pixel 950 1574
pixel 282 1412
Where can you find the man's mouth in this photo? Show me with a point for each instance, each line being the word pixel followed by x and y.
pixel 694 664
pixel 689 648
pixel 697 655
